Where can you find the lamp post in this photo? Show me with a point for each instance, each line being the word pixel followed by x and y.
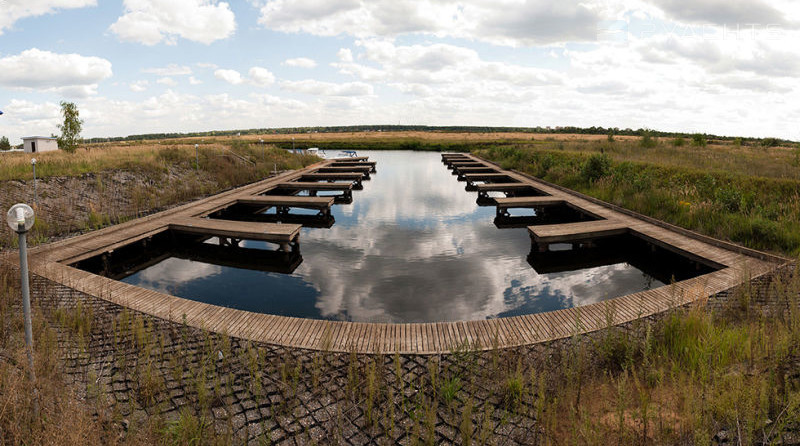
pixel 33 163
pixel 292 144
pixel 20 219
pixel 196 158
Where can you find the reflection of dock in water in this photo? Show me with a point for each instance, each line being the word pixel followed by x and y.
pixel 232 256
pixel 659 263
pixel 240 257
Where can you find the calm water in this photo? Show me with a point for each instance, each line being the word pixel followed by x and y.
pixel 412 247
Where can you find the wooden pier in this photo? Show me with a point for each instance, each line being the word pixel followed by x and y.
pixel 355 177
pixel 584 231
pixel 285 235
pixel 736 264
pixel 314 187
pixel 284 203
pixel 504 204
pixel 365 170
pixel 370 164
pixel 461 172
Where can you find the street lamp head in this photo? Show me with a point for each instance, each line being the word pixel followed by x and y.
pixel 20 217
pixel 196 145
pixel 33 161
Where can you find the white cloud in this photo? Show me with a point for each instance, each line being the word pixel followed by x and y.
pixel 300 62
pixel 258 76
pixel 139 86
pixel 319 88
pixel 168 81
pixel 723 12
pixel 170 70
pixel 194 81
pixel 261 77
pixel 345 55
pixel 229 76
pixel 13 10
pixel 152 21
pixel 445 71
pixel 69 74
pixel 507 22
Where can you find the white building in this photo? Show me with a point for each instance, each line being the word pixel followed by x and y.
pixel 36 144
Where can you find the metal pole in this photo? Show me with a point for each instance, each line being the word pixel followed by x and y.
pixel 26 308
pixel 196 159
pixel 35 201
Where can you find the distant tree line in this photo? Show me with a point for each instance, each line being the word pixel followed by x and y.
pixel 594 130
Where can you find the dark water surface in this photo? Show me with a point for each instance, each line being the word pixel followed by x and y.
pixel 412 247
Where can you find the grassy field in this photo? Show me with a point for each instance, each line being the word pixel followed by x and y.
pixel 698 375
pixel 156 157
pixel 110 184
pixel 748 195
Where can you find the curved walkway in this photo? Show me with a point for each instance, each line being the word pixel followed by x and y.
pixel 738 264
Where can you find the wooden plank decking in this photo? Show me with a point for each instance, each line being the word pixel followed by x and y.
pixel 370 164
pixel 737 264
pixel 345 169
pixel 268 232
pixel 291 201
pixel 527 202
pixel 469 177
pixel 574 232
pixel 331 176
pixel 312 185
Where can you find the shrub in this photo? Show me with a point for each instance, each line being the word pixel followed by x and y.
pixel 678 142
pixel 699 140
pixel 648 141
pixel 596 167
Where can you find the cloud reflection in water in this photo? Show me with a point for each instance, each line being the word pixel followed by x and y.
pixel 413 247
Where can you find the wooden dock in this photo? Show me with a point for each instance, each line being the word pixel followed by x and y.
pixel 460 172
pixel 736 265
pixel 354 177
pixel 370 164
pixel 285 235
pixel 505 203
pixel 543 235
pixel 284 203
pixel 365 170
pixel 314 186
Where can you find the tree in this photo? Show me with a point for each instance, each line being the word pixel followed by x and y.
pixel 699 140
pixel 4 144
pixel 71 128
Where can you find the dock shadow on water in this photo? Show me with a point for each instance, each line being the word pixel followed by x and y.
pixel 413 246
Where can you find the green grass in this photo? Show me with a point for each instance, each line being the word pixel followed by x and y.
pixel 726 200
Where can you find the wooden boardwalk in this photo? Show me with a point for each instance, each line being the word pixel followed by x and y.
pixel 737 264
pixel 282 234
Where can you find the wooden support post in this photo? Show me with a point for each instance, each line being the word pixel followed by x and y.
pixel 106 264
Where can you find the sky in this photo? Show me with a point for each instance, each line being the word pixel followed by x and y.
pixel 728 67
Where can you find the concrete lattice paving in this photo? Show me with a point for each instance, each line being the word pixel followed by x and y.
pixel 140 366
